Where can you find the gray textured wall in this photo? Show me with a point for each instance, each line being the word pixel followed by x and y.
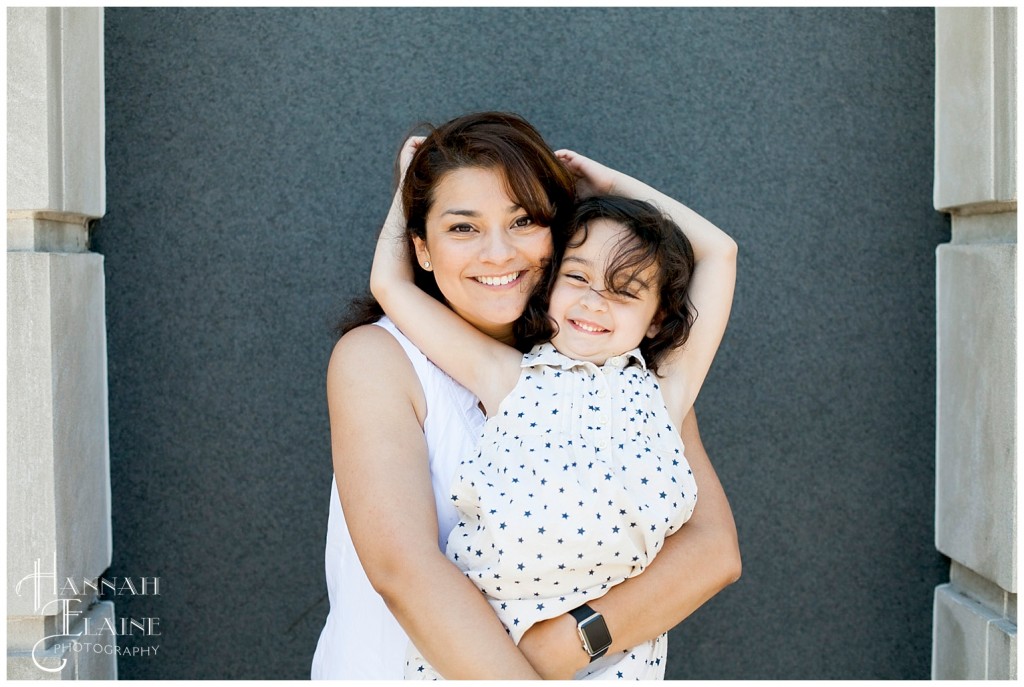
pixel 248 168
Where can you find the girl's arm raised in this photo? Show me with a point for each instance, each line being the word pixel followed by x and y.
pixel 711 286
pixel 483 365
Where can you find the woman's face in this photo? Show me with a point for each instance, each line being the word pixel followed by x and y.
pixel 485 251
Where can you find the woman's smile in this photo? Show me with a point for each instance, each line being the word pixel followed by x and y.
pixel 502 280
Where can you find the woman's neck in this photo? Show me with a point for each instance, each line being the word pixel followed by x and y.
pixel 504 334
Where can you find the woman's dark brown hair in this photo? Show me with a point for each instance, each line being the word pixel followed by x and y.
pixel 654 239
pixel 536 179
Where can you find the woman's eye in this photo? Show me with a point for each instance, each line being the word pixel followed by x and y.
pixel 522 222
pixel 461 228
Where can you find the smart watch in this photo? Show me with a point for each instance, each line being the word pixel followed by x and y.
pixel 593 631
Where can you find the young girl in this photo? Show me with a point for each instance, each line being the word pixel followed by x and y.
pixel 580 449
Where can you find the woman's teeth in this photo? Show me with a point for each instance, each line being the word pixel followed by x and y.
pixel 498 281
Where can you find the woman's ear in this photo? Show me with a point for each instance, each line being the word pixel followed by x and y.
pixel 422 254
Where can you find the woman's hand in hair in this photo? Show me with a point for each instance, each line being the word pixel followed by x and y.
pixel 409 149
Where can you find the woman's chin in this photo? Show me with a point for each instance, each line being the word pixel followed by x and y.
pixel 494 311
pixel 493 322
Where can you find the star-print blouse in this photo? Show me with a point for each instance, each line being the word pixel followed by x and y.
pixel 579 478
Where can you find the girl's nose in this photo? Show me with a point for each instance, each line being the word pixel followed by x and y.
pixel 593 300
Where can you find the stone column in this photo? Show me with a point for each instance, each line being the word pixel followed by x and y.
pixel 58 473
pixel 975 617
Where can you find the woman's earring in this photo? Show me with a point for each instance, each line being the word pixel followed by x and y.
pixel 426 265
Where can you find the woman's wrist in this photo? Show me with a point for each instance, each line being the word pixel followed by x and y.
pixel 554 649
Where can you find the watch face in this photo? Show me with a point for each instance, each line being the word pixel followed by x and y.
pixel 595 633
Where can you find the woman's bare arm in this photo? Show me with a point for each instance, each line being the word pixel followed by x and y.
pixel 694 564
pixel 380 463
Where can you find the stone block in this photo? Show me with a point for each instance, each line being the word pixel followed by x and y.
pixel 975 107
pixel 976 473
pixel 24 631
pixel 92 657
pixel 93 664
pixel 39 234
pixel 1002 602
pixel 959 648
pixel 55 111
pixel 83 111
pixel 58 663
pixel 30 177
pixel 1002 650
pixel 58 485
pixel 998 227
pixel 971 642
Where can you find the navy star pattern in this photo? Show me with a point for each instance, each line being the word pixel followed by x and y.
pixel 579 478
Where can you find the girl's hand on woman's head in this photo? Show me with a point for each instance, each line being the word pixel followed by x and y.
pixel 592 178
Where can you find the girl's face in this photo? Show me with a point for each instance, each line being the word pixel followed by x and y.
pixel 485 251
pixel 593 322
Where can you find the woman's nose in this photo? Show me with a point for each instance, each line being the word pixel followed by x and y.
pixel 497 248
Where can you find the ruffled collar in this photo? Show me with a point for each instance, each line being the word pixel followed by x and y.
pixel 547 354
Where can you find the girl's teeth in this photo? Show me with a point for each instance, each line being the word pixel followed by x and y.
pixel 498 281
pixel 588 328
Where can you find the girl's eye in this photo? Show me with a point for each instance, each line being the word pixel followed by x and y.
pixel 575 277
pixel 624 294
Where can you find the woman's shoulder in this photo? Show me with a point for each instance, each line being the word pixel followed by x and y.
pixel 369 359
pixel 365 343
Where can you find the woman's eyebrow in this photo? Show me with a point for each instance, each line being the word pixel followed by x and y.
pixel 473 213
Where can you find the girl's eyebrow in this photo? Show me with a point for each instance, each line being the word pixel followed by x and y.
pixel 573 258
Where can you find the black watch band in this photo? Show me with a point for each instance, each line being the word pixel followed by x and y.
pixel 593 631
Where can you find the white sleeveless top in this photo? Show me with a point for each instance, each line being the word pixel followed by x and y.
pixel 361 639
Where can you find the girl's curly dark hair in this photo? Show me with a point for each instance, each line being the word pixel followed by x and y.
pixel 654 240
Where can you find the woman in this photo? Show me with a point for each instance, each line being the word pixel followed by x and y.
pixel 399 427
